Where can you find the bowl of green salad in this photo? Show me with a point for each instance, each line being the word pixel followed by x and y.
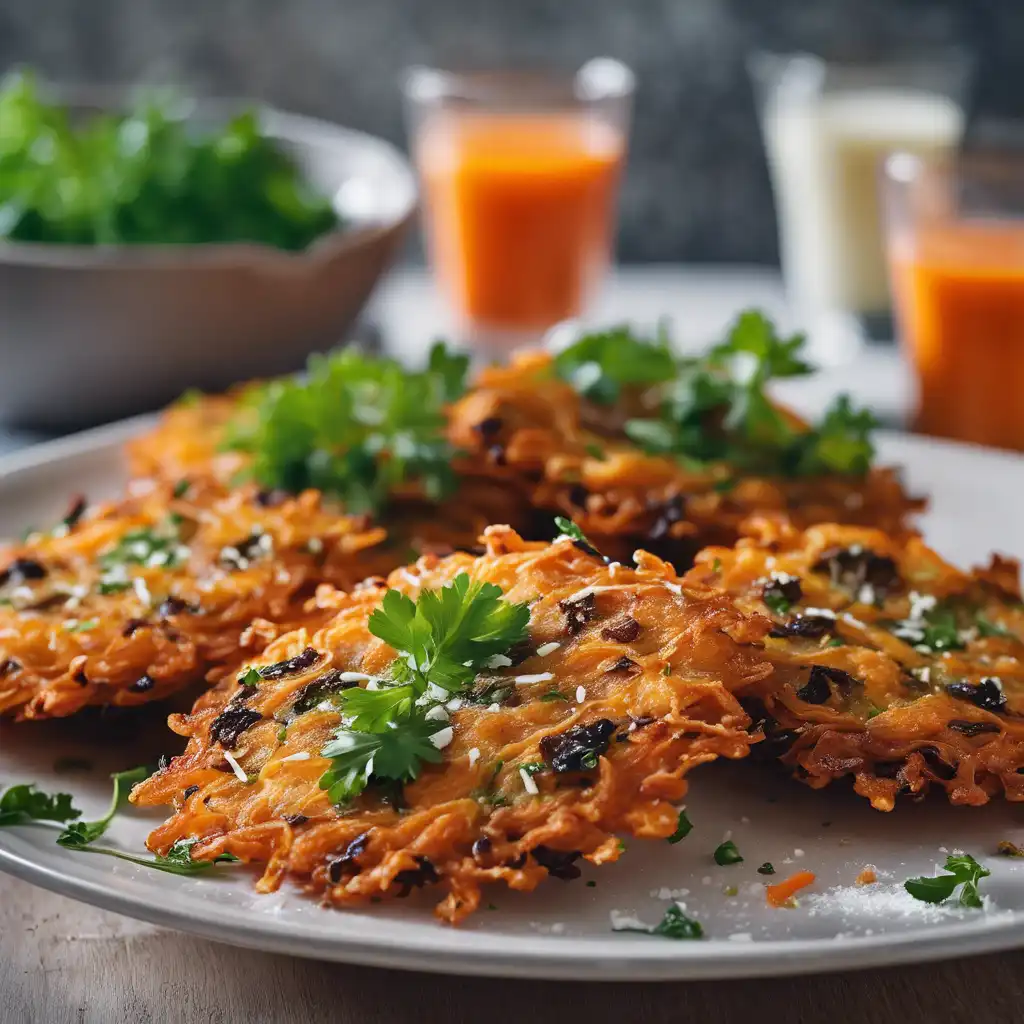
pixel 157 244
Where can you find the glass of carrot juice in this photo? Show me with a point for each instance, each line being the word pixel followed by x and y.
pixel 519 175
pixel 955 239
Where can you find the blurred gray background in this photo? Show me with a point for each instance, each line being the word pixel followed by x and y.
pixel 696 189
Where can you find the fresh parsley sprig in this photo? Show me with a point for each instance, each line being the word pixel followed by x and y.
pixel 355 427
pixel 146 176
pixel 177 861
pixel 81 833
pixel 601 364
pixel 715 407
pixel 443 640
pixel 961 871
pixel 24 803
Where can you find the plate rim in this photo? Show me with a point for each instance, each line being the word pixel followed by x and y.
pixel 445 950
pixel 449 951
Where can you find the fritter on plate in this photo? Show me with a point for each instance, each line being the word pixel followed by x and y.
pixel 640 446
pixel 128 601
pixel 534 702
pixel 525 425
pixel 366 432
pixel 893 667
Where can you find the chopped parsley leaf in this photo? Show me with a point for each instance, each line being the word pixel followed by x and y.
pixel 726 853
pixel 776 602
pixel 767 868
pixel 988 628
pixel 80 625
pixel 149 546
pixel 683 828
pixel 961 871
pixel 936 629
pixel 674 925
pixel 553 695
pixel 250 677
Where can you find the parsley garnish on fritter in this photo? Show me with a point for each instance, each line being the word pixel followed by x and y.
pixel 355 427
pixel 715 407
pixel 599 365
pixel 443 640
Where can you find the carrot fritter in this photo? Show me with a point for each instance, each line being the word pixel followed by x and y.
pixel 520 423
pixel 128 601
pixel 623 682
pixel 892 666
pixel 529 445
pixel 188 444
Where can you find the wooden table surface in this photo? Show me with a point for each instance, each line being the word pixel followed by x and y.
pixel 64 962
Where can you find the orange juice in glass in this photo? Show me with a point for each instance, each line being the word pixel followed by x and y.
pixel 519 175
pixel 956 252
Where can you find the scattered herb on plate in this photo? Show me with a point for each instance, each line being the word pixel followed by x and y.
pixel 674 925
pixel 24 803
pixel 81 833
pixel 683 828
pixel 961 871
pixel 726 853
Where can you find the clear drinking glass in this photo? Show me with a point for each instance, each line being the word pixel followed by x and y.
pixel 827 127
pixel 519 175
pixel 955 233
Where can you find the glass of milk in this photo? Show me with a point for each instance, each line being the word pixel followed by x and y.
pixel 827 127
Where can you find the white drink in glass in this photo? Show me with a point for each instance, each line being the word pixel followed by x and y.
pixel 825 153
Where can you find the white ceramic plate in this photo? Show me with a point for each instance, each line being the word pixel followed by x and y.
pixel 564 930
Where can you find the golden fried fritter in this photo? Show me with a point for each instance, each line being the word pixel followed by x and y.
pixel 523 425
pixel 530 447
pixel 188 444
pixel 892 666
pixel 134 599
pixel 624 683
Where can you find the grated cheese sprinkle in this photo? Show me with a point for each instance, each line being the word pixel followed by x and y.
pixel 528 784
pixel 235 767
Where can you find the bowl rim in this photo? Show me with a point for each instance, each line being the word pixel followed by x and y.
pixel 277 123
